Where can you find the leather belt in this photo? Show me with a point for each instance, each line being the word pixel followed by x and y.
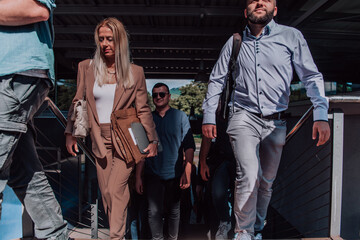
pixel 275 116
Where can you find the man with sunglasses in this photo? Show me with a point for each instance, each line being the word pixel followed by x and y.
pixel 167 173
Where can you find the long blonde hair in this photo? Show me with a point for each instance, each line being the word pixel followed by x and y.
pixel 122 54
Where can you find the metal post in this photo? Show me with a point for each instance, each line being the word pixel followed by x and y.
pixel 81 159
pixel 337 174
pixel 58 154
pixel 94 220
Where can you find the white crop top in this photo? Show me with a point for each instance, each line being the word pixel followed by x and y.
pixel 104 100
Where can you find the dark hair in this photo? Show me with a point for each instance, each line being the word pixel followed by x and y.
pixel 160 84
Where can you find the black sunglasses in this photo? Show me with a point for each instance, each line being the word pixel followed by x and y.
pixel 160 94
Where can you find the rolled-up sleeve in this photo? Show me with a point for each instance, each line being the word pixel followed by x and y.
pixel 50 4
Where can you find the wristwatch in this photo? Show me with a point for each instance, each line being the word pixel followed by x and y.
pixel 155 142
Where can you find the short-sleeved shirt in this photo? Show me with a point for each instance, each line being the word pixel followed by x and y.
pixel 28 47
pixel 175 137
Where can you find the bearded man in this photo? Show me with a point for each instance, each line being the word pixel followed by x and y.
pixel 269 54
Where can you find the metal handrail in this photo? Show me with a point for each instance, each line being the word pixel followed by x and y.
pixel 307 114
pixel 299 124
pixel 61 118
pixel 344 99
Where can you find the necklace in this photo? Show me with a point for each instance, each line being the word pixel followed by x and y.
pixel 111 78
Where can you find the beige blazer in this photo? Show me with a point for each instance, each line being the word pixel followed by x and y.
pixel 123 99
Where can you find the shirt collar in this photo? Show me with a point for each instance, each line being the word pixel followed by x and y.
pixel 270 26
pixel 266 31
pixel 157 113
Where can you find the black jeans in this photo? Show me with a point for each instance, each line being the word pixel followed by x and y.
pixel 164 203
pixel 222 189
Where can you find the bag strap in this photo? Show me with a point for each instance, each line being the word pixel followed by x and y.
pixel 237 40
pixel 230 83
pixel 84 94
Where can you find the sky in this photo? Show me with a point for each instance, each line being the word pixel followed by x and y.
pixel 171 83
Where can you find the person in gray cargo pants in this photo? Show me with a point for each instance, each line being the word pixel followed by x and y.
pixel 26 75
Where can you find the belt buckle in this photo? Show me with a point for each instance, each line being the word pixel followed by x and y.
pixel 278 116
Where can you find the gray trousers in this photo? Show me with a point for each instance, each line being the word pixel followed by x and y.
pixel 257 145
pixel 20 167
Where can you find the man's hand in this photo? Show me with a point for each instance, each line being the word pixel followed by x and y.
pixel 152 149
pixel 186 177
pixel 71 144
pixel 139 187
pixel 204 171
pixel 209 130
pixel 322 128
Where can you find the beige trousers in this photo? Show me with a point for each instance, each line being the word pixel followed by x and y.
pixel 113 174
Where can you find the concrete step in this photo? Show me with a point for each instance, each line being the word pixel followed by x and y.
pixel 85 233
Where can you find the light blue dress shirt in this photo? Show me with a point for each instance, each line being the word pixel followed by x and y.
pixel 264 71
pixel 29 46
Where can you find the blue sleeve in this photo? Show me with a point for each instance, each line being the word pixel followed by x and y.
pixel 216 84
pixel 188 138
pixel 50 4
pixel 311 78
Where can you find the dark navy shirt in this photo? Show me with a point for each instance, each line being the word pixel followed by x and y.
pixel 175 137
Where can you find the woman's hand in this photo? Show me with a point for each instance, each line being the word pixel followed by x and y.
pixel 71 144
pixel 152 149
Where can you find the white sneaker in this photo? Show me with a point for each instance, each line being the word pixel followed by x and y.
pixel 244 235
pixel 258 236
pixel 223 229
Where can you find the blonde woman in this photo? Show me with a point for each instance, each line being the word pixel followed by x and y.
pixel 111 82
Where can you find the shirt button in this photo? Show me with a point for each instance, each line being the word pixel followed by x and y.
pixel 259 79
pixel 258 64
pixel 260 93
pixel 262 106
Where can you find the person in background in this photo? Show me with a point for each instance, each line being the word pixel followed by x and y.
pixel 112 83
pixel 269 54
pixel 166 174
pixel 26 76
pixel 137 226
pixel 217 169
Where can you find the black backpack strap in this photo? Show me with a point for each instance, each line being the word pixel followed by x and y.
pixel 237 39
pixel 230 83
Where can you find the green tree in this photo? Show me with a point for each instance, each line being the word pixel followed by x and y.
pixel 191 97
pixel 150 101
pixel 65 92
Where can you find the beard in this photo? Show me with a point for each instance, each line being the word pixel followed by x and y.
pixel 263 20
